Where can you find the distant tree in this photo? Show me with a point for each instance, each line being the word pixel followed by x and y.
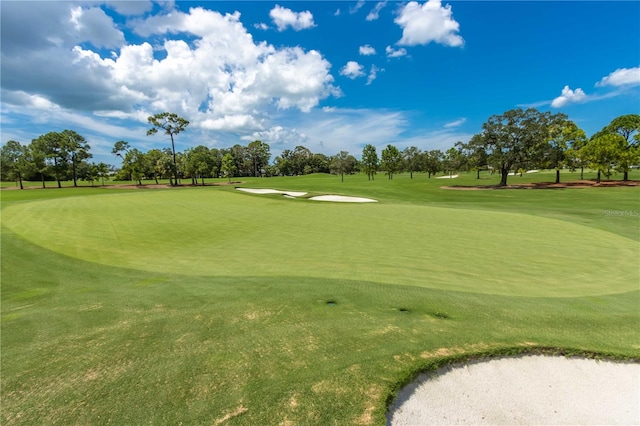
pixel 562 134
pixel 511 139
pixel 241 160
pixel 37 149
pixel 165 165
pixel 627 126
pixel 475 155
pixel 216 162
pixel 284 162
pixel 16 161
pixel 103 171
pixel 319 163
pixel 370 161
pixel 120 149
pixel 340 164
pixel 411 157
pixel 88 172
pixel 391 160
pixel 603 152
pixel 300 158
pixel 432 162
pixel 575 157
pixel 272 170
pixel 53 146
pixel 77 149
pixel 228 165
pixel 135 165
pixel 154 164
pixel 453 160
pixel 259 154
pixel 172 124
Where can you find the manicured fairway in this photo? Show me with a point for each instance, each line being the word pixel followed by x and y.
pixel 212 306
pixel 221 233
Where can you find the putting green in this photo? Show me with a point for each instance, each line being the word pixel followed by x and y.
pixel 222 233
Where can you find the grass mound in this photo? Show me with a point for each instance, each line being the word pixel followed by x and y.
pixel 221 233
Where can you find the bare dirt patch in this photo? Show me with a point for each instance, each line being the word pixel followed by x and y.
pixel 547 185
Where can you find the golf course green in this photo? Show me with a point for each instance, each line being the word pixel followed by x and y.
pixel 207 305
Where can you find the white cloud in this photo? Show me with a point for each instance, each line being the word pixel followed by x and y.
pixel 94 26
pixel 367 50
pixel 621 77
pixel 279 136
pixel 284 18
pixel 393 53
pixel 232 123
pixel 223 73
pixel 569 96
pixel 261 26
pixel 357 7
pixel 337 12
pixel 352 70
pixel 430 22
pixel 130 8
pixel 455 123
pixel 373 74
pixel 375 12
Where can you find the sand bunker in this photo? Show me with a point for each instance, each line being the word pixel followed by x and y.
pixel 531 389
pixel 447 177
pixel 292 194
pixel 271 191
pixel 342 199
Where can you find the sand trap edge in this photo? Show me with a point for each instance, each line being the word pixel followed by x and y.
pixel 342 199
pixel 294 194
pixel 271 191
pixel 523 389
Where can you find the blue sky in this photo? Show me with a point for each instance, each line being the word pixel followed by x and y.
pixel 328 75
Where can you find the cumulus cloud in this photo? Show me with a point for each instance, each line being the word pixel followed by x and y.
pixel 352 70
pixel 96 27
pixel 219 78
pixel 367 50
pixel 284 18
pixel 569 96
pixel 261 26
pixel 375 12
pixel 621 77
pixel 426 23
pixel 395 53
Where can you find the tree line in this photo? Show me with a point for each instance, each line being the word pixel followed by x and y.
pixel 516 140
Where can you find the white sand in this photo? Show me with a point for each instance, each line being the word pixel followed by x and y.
pixel 292 194
pixel 447 177
pixel 531 389
pixel 533 171
pixel 342 199
pixel 271 191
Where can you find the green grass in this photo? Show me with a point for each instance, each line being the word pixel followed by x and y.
pixel 206 305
